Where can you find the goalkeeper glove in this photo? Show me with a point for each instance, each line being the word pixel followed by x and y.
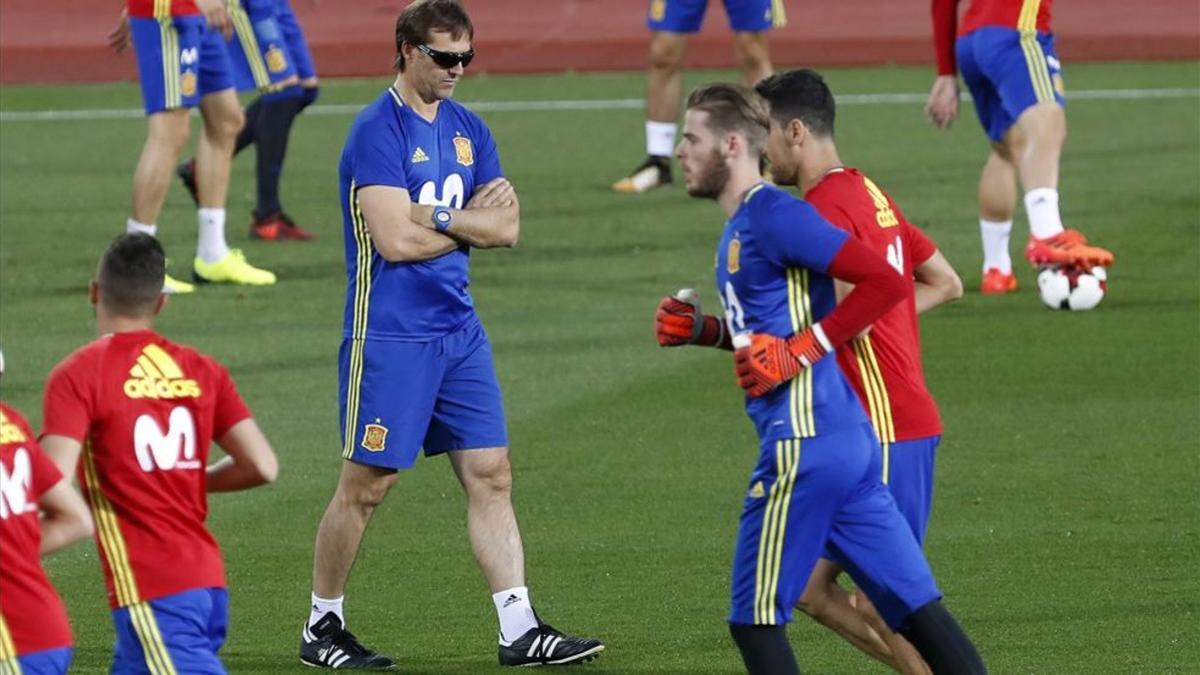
pixel 769 361
pixel 678 321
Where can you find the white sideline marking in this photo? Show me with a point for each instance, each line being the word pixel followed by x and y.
pixel 603 104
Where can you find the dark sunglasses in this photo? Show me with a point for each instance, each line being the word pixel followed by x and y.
pixel 447 60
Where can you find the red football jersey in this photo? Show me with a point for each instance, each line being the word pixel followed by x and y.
pixel 884 366
pixel 161 9
pixel 145 410
pixel 32 616
pixel 1023 15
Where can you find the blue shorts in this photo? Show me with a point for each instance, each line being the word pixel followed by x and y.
pixel 293 36
pixel 48 662
pixel 745 16
pixel 399 397
pixel 805 494
pixel 1007 72
pixel 176 633
pixel 258 50
pixel 908 472
pixel 179 61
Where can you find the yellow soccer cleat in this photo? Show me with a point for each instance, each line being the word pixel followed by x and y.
pixel 232 269
pixel 652 173
pixel 173 286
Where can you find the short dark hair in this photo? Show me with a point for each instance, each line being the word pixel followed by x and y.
pixel 732 107
pixel 131 274
pixel 423 17
pixel 800 95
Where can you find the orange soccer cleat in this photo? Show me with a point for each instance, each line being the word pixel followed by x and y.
pixel 276 227
pixel 1068 247
pixel 996 282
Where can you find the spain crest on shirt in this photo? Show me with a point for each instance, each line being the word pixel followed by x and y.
pixel 374 437
pixel 462 151
pixel 732 264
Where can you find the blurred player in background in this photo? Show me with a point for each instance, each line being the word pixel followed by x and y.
pixel 39 513
pixel 135 414
pixel 672 23
pixel 1005 51
pixel 421 185
pixel 883 366
pixel 269 55
pixel 183 63
pixel 817 483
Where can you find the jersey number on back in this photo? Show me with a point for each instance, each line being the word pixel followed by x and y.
pixel 895 255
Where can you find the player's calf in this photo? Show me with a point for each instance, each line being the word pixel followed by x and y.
pixel 765 649
pixel 933 631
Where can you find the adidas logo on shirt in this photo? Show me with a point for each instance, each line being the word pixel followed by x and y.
pixel 419 156
pixel 156 375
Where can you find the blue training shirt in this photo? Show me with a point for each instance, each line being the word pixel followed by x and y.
pixel 439 163
pixel 771 277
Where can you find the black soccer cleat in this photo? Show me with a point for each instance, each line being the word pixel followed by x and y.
pixel 187 175
pixel 652 173
pixel 328 645
pixel 544 646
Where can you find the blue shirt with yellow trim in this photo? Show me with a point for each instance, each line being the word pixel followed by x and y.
pixel 439 163
pixel 771 277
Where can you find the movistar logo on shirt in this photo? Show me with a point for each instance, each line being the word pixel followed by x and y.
pixel 157 376
pixel 419 156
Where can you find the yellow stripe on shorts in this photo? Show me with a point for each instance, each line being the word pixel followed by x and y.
pixel 774 529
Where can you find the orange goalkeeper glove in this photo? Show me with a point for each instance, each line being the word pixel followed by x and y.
pixel 769 361
pixel 678 321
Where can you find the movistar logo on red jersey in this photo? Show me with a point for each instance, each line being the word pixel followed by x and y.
pixel 157 376
pixel 16 482
pixel 9 432
pixel 173 448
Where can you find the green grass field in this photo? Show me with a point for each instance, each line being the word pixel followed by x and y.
pixel 1066 532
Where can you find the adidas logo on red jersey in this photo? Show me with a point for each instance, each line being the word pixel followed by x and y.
pixel 157 376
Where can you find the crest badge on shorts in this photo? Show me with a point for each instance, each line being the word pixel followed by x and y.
pixel 187 83
pixel 374 437
pixel 276 61
pixel 462 151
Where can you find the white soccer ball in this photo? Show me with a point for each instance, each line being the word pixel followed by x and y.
pixel 1073 288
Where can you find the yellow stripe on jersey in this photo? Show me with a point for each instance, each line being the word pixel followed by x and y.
pixel 162 9
pixel 108 534
pixel 778 14
pixel 249 41
pixel 879 404
pixel 358 331
pixel 8 651
pixel 801 388
pixel 1039 71
pixel 154 648
pixel 1027 19
pixel 774 529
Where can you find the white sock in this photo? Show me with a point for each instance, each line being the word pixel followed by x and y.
pixel 211 247
pixel 1041 206
pixel 995 244
pixel 515 612
pixel 660 138
pixel 132 225
pixel 321 607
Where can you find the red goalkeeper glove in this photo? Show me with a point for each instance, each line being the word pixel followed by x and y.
pixel 769 361
pixel 678 321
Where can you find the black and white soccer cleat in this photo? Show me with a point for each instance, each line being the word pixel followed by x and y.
pixel 327 644
pixel 544 646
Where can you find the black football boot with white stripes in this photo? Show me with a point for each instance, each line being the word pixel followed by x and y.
pixel 326 644
pixel 544 646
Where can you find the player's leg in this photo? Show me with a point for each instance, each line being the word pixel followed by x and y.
pixel 167 67
pixel 222 114
pixel 832 606
pixel 1028 79
pixel 997 199
pixel 671 22
pixel 386 393
pixel 468 424
pixel 794 492
pixel 753 56
pixel 751 20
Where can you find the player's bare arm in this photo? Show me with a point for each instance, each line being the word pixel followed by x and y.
pixel 942 106
pixel 490 219
pixel 65 517
pixel 120 39
pixel 249 460
pixel 217 16
pixel 63 451
pixel 936 283
pixel 389 213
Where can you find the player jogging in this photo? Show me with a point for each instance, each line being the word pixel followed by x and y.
pixel 421 186
pixel 672 23
pixel 816 484
pixel 1005 51
pixel 35 635
pixel 884 366
pixel 134 414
